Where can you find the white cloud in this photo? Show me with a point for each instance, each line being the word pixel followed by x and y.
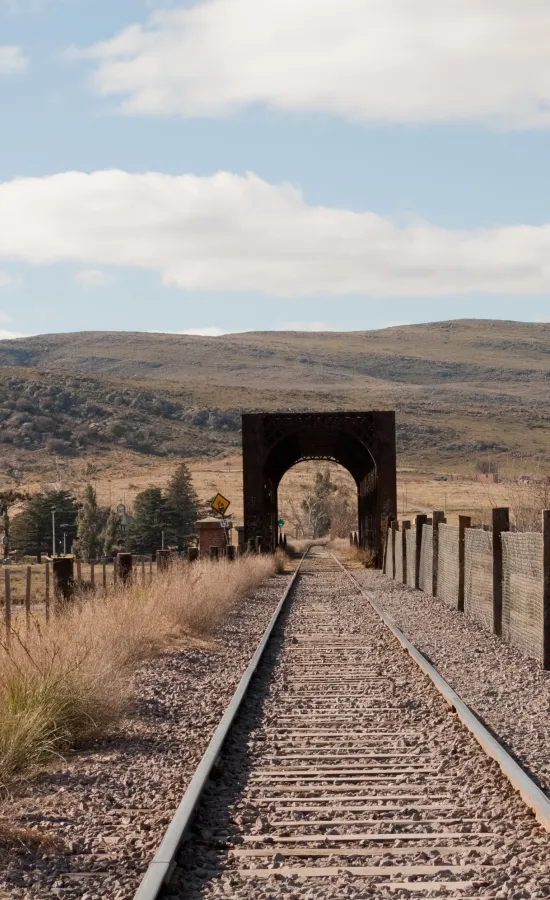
pixel 12 60
pixel 372 60
pixel 206 331
pixel 92 278
pixel 310 326
pixel 10 335
pixel 228 232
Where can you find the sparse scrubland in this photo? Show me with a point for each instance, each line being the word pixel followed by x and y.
pixel 69 680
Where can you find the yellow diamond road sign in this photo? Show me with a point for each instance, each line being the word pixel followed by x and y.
pixel 220 504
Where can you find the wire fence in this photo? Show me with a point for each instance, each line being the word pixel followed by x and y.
pixel 411 557
pixel 523 592
pixel 478 580
pixel 426 560
pixel 500 577
pixel 448 573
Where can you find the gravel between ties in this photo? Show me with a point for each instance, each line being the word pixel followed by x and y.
pixel 110 804
pixel 509 691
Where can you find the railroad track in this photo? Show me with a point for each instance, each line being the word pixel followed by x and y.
pixel 346 774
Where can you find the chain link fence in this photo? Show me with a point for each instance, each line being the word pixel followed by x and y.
pixel 448 565
pixel 523 592
pixel 478 576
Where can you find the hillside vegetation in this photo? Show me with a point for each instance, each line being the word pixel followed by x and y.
pixel 460 389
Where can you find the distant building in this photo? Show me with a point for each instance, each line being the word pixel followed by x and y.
pixel 488 478
pixel 125 517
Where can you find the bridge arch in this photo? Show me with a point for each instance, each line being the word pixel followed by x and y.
pixel 362 442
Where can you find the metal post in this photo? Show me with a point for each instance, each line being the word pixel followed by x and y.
pixel 406 526
pixel 420 522
pixel 438 519
pixel 546 589
pixel 53 531
pixel 464 522
pixel 28 597
pixel 47 592
pixel 501 522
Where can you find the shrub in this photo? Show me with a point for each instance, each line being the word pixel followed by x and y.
pixel 68 680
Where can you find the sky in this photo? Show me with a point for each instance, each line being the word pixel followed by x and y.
pixel 228 165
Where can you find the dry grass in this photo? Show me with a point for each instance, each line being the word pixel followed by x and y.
pixel 67 681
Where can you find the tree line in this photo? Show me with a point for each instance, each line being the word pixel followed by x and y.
pixel 92 531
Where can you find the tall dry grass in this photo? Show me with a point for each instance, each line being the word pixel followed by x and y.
pixel 67 680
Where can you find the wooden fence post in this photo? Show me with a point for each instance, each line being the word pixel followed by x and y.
pixel 92 575
pixel 501 522
pixel 546 589
pixel 464 522
pixel 437 520
pixel 28 585
pixel 406 526
pixel 125 567
pixel 47 592
pixel 7 605
pixel 420 522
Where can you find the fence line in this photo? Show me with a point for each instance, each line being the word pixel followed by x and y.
pixel 499 579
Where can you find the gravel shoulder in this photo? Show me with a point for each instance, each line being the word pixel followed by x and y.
pixel 509 691
pixel 105 809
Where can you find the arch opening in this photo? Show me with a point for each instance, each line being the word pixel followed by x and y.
pixel 363 443
pixel 316 499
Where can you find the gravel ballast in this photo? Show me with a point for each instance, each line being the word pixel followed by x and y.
pixel 107 808
pixel 347 775
pixel 509 691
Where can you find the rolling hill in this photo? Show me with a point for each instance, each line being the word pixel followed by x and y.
pixel 461 389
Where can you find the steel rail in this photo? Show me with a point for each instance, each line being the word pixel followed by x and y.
pixel 163 863
pixel 528 790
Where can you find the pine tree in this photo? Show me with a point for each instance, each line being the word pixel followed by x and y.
pixel 90 523
pixel 31 531
pixel 184 502
pixel 153 515
pixel 112 535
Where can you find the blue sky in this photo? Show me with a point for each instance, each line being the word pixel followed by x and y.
pixel 233 165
